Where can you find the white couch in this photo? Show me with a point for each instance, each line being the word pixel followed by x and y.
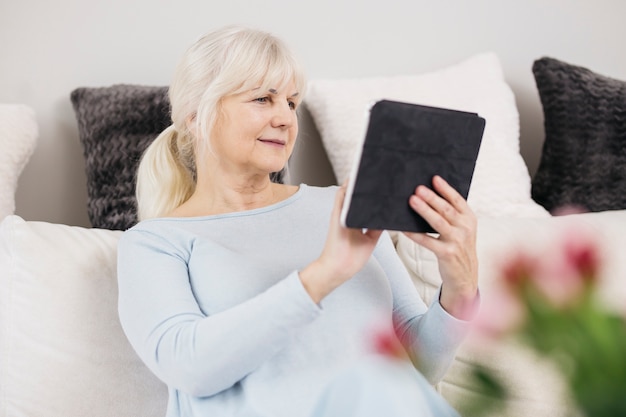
pixel 63 353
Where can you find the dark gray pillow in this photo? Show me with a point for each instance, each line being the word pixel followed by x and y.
pixel 116 124
pixel 583 162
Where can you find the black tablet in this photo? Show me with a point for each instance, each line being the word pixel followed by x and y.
pixel 406 145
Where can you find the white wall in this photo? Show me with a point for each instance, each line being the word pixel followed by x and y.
pixel 48 48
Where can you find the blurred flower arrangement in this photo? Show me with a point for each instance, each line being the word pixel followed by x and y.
pixel 549 302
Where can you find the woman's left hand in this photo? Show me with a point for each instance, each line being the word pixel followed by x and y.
pixel 455 247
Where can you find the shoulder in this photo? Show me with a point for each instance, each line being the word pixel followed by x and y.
pixel 316 199
pixel 156 226
pixel 161 234
pixel 323 193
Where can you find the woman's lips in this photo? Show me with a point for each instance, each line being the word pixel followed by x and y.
pixel 275 142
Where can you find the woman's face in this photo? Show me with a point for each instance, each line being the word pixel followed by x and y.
pixel 256 130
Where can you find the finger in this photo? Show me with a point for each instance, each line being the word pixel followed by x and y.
pixel 434 209
pixel 373 234
pixel 339 198
pixel 451 195
pixel 429 242
pixel 463 215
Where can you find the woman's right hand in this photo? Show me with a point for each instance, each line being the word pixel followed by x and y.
pixel 346 251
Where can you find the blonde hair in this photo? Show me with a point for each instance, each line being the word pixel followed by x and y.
pixel 228 61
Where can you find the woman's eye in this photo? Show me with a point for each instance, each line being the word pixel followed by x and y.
pixel 262 99
pixel 292 105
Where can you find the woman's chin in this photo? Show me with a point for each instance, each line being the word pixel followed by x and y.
pixel 276 167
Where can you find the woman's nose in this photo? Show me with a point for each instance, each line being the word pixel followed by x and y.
pixel 284 116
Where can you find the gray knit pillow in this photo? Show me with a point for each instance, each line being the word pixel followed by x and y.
pixel 584 159
pixel 116 124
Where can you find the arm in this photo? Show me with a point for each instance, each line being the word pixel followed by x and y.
pixel 433 337
pixel 430 334
pixel 455 247
pixel 189 351
pixel 345 252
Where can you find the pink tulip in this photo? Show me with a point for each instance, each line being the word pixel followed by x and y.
pixel 582 253
pixel 568 209
pixel 386 343
pixel 518 270
pixel 565 273
pixel 501 313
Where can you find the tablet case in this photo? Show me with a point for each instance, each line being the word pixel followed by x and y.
pixel 405 146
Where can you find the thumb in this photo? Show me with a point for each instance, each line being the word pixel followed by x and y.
pixel 339 199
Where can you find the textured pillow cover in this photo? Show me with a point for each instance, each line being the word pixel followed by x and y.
pixel 583 162
pixel 501 182
pixel 116 124
pixel 18 139
pixel 62 349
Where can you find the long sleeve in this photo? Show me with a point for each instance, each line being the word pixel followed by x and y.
pixel 198 354
pixel 430 334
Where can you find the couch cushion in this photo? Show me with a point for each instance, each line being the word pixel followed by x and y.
pixel 583 162
pixel 18 138
pixel 501 182
pixel 62 349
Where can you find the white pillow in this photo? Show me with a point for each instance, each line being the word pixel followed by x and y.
pixel 62 349
pixel 497 238
pixel 18 138
pixel 501 183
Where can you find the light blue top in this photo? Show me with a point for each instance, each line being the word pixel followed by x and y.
pixel 215 308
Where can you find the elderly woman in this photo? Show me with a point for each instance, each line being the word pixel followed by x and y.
pixel 246 296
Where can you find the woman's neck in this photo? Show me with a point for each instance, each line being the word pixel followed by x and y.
pixel 232 195
pixel 238 194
